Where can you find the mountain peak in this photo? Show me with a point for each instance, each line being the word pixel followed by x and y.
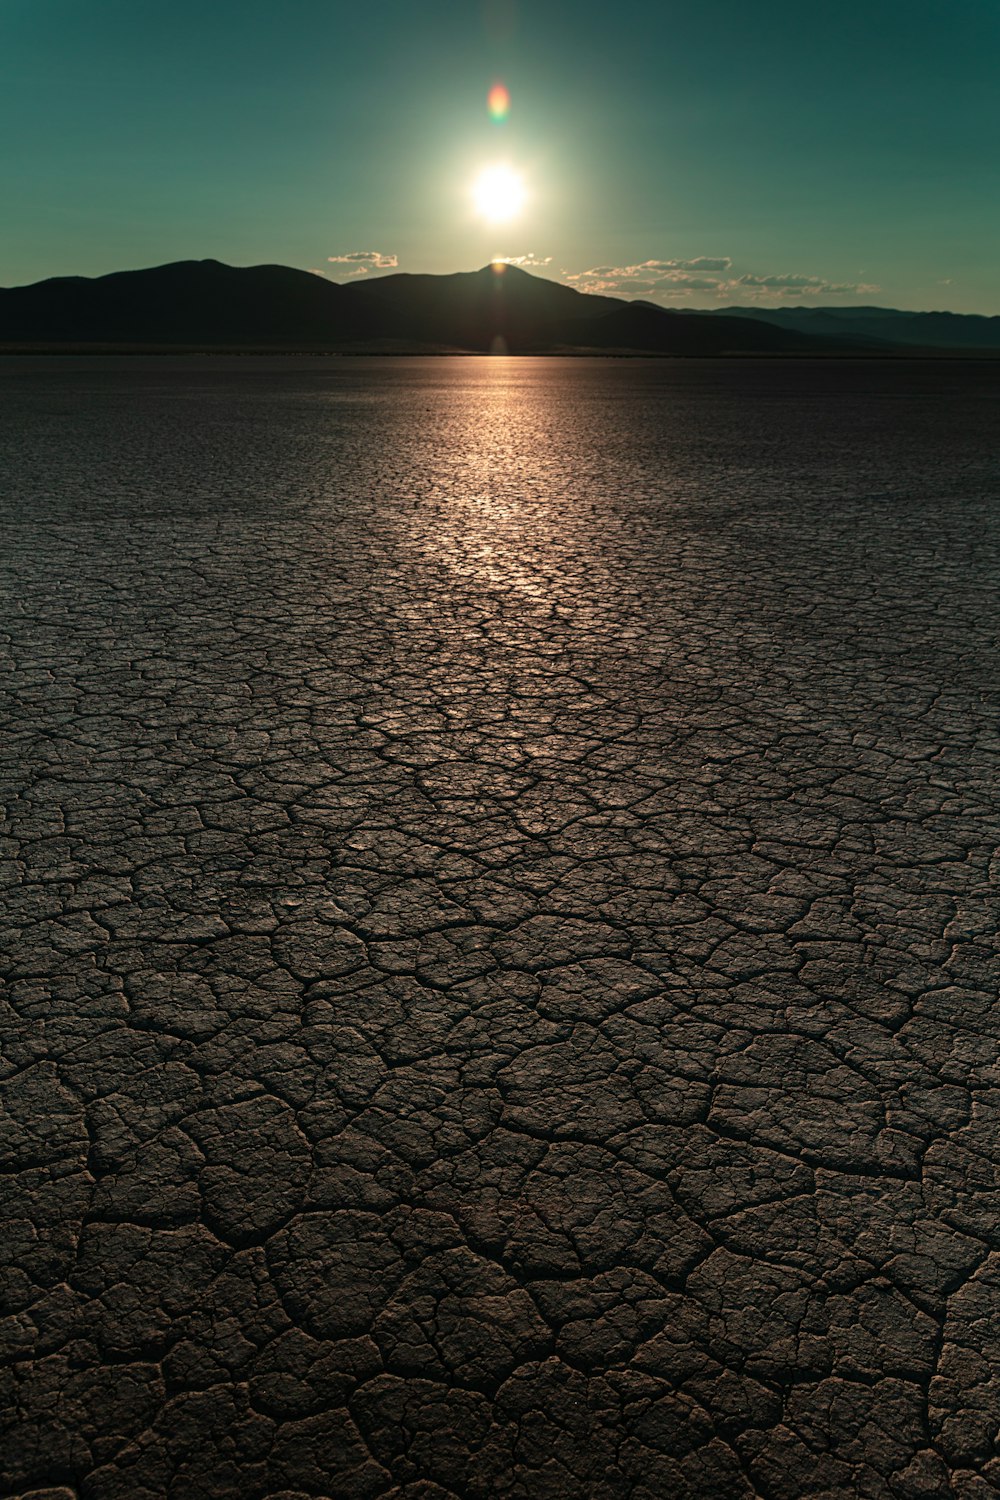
pixel 503 267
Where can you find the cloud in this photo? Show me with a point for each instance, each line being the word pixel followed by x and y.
pixel 677 280
pixel 616 281
pixel 775 282
pixel 315 271
pixel 363 261
pixel 700 263
pixel 680 280
pixel 755 287
pixel 523 260
pixel 676 271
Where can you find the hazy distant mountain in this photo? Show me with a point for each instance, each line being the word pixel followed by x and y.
pixel 645 328
pixel 207 305
pixel 884 325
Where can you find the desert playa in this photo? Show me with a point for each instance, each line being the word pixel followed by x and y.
pixel 500 967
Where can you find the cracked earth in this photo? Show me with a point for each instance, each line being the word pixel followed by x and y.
pixel 500 972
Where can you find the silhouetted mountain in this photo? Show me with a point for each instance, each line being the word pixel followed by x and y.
pixel 471 308
pixel 478 309
pixel 200 302
pixel 882 325
pixel 207 305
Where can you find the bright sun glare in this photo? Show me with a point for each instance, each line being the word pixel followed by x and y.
pixel 498 193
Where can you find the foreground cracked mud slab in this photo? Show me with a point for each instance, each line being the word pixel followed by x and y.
pixel 500 981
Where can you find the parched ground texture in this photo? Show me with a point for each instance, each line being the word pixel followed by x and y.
pixel 500 952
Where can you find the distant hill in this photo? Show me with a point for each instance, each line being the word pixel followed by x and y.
pixel 644 328
pixel 882 325
pixel 207 305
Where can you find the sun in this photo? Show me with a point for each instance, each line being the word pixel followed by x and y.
pixel 498 193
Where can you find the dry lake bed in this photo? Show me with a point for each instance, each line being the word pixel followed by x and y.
pixel 500 971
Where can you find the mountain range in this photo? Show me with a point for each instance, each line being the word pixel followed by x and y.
pixel 207 305
pixel 881 325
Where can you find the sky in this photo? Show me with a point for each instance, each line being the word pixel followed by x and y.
pixel 693 154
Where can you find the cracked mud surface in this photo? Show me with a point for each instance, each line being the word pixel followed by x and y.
pixel 500 981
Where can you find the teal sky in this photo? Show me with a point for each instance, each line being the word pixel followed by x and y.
pixel 777 152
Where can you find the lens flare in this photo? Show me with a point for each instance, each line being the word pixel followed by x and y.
pixel 498 103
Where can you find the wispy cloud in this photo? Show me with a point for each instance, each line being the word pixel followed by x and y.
pixel 756 287
pixel 363 261
pixel 700 263
pixel 673 281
